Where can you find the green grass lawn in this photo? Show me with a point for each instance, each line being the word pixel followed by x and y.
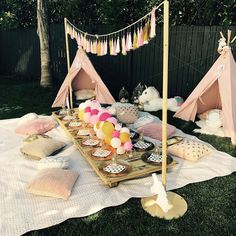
pixel 211 204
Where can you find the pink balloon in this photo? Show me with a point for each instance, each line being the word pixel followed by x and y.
pixel 103 110
pixel 87 117
pixel 94 112
pixel 87 109
pixel 116 134
pixel 94 119
pixel 128 146
pixel 104 116
pixel 113 120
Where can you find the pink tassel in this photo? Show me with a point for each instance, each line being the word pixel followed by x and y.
pixel 123 46
pixel 118 45
pixel 82 41
pixel 95 47
pixel 102 48
pixel 105 47
pixel 153 24
pixel 88 47
pixel 78 39
pixel 85 44
pixel 130 46
pixel 140 38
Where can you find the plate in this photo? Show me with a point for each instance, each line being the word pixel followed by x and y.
pixel 143 145
pixel 83 132
pixel 155 159
pixel 101 154
pixel 74 124
pixel 68 118
pixel 134 135
pixel 90 142
pixel 173 140
pixel 115 169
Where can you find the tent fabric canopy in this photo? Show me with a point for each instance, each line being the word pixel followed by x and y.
pixel 83 76
pixel 216 90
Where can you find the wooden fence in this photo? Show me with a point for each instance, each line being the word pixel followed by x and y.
pixel 192 52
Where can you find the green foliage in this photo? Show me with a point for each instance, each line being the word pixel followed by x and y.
pixel 22 13
pixel 17 13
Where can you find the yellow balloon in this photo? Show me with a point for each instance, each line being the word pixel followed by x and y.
pixel 108 139
pixel 108 128
pixel 81 114
pixel 98 124
pixel 124 137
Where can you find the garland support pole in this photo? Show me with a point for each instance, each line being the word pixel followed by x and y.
pixel 165 89
pixel 68 61
pixel 177 204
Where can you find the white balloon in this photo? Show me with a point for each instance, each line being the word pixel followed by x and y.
pixel 120 150
pixel 118 127
pixel 115 142
pixel 82 106
pixel 124 130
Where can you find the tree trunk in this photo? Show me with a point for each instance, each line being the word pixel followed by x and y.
pixel 42 22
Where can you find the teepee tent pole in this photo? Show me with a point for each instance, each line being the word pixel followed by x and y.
pixel 229 36
pixel 165 90
pixel 68 60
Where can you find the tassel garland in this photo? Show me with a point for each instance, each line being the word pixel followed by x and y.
pixel 122 41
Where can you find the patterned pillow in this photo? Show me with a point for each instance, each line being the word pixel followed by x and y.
pixel 127 113
pixel 154 130
pixel 84 94
pixel 55 183
pixel 190 150
pixel 41 148
pixel 37 126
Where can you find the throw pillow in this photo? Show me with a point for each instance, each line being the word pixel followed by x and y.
pixel 190 150
pixel 55 183
pixel 127 113
pixel 84 94
pixel 41 148
pixel 37 126
pixel 154 130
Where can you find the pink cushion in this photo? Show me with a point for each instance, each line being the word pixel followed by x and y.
pixel 37 126
pixel 154 130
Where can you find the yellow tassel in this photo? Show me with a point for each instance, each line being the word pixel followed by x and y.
pixel 99 48
pixel 146 32
pixel 111 47
pixel 135 40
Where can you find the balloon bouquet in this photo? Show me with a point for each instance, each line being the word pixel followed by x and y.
pixel 105 126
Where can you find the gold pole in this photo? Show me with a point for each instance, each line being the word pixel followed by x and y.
pixel 165 90
pixel 177 203
pixel 68 61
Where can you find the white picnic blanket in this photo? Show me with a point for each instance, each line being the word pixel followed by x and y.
pixel 22 212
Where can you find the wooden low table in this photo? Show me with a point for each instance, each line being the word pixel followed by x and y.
pixel 137 167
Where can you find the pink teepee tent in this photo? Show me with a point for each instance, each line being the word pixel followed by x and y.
pixel 216 90
pixel 83 76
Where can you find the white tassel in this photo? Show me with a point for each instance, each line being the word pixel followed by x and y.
pixel 118 45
